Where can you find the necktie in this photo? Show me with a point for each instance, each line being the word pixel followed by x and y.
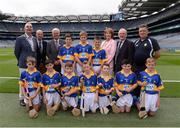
pixel 120 45
pixel 57 44
pixel 117 50
pixel 40 46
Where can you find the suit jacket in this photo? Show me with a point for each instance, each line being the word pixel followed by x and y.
pixel 125 52
pixel 23 50
pixel 52 51
pixel 41 57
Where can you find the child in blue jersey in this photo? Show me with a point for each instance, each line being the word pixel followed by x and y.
pixel 66 53
pixel 89 89
pixel 83 52
pixel 99 57
pixel 105 83
pixel 151 83
pixel 30 82
pixel 69 87
pixel 125 82
pixel 51 81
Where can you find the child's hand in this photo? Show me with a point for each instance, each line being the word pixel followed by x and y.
pixel 119 94
pixel 128 89
pixel 66 94
pixel 100 84
pixel 56 62
pixel 27 97
pixel 107 92
pixel 53 85
pixel 144 83
pixel 31 98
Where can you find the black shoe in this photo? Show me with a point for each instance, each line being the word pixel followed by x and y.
pixel 22 103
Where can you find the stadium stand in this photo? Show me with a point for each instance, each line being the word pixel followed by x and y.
pixel 163 20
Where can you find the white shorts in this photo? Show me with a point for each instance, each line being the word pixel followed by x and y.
pixel 52 98
pixel 70 101
pixel 150 102
pixel 36 100
pixel 78 69
pixel 103 101
pixel 97 69
pixel 87 102
pixel 125 100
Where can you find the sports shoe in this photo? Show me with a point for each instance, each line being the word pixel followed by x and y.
pixel 22 103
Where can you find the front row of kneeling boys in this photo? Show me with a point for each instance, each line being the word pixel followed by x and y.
pixel 94 91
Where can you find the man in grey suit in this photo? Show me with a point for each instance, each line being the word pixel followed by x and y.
pixel 25 46
pixel 53 48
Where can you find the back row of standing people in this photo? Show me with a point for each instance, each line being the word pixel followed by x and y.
pixel 116 52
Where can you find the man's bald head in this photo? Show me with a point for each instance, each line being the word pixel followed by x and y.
pixel 39 34
pixel 28 29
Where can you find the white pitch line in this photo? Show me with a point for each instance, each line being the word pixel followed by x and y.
pixel 9 77
pixel 169 81
pixel 166 81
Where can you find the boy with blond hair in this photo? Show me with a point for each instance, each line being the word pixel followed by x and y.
pixel 151 84
pixel 30 82
pixel 83 52
pixel 99 57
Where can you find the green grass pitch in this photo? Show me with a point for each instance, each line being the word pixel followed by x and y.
pixel 11 114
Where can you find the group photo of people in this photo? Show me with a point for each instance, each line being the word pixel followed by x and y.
pixel 102 76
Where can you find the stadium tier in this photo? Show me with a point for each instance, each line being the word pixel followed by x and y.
pixel 165 21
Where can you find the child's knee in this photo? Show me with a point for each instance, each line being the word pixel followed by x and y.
pixel 128 110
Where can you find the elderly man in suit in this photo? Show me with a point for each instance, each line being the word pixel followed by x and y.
pixel 41 51
pixel 25 46
pixel 124 50
pixel 53 48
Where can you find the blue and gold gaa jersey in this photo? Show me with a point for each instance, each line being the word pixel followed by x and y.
pixel 99 57
pixel 67 54
pixel 90 82
pixel 122 82
pixel 49 79
pixel 83 52
pixel 106 85
pixel 69 83
pixel 30 80
pixel 154 82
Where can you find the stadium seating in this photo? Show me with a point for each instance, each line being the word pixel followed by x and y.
pixel 163 22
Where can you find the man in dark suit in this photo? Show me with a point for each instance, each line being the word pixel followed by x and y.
pixel 53 48
pixel 25 46
pixel 125 50
pixel 41 51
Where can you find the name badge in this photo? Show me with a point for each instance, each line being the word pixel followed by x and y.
pixel 83 55
pixel 30 84
pixel 126 86
pixel 96 61
pixel 88 89
pixel 67 57
pixel 150 87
